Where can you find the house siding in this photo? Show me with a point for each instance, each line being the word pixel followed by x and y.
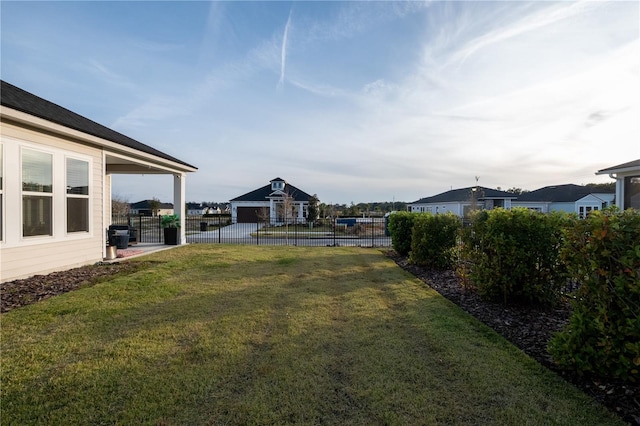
pixel 438 208
pixel 540 206
pixel 22 257
pixel 569 207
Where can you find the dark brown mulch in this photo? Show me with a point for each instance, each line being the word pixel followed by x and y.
pixel 530 330
pixel 18 293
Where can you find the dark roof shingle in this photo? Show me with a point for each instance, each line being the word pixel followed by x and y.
pixel 559 193
pixel 464 194
pixel 21 100
pixel 261 194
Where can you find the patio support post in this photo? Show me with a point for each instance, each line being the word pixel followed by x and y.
pixel 272 212
pixel 106 205
pixel 619 192
pixel 300 212
pixel 179 188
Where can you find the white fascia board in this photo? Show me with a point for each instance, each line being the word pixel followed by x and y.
pixel 112 147
pixel 625 171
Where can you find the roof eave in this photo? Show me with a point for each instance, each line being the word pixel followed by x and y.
pixel 19 117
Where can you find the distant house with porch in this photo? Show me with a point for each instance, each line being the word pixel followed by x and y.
pixel 268 203
pixel 461 201
pixel 566 198
pixel 627 176
pixel 55 183
pixel 146 208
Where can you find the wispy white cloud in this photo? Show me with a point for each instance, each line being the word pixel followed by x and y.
pixel 549 15
pixel 283 50
pixel 105 73
pixel 401 99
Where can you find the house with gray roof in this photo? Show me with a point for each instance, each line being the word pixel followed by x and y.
pixel 55 183
pixel 461 201
pixel 627 176
pixel 566 198
pixel 149 208
pixel 277 202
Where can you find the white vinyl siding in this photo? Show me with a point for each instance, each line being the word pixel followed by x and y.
pixel 1 195
pixel 60 249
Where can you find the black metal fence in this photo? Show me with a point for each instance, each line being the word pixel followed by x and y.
pixel 363 232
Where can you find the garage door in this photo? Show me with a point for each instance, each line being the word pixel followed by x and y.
pixel 248 215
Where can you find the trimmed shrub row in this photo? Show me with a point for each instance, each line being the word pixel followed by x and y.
pixel 527 257
pixel 434 239
pixel 401 229
pixel 602 252
pixel 514 255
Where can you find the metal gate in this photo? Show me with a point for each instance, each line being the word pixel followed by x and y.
pixel 219 229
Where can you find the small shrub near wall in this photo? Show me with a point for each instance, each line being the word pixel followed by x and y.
pixel 514 255
pixel 434 239
pixel 400 228
pixel 602 252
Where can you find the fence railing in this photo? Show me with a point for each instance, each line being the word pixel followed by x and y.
pixel 364 232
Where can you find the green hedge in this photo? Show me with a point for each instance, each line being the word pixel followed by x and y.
pixel 400 228
pixel 514 255
pixel 434 239
pixel 602 253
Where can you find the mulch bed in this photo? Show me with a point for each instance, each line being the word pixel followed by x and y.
pixel 530 330
pixel 18 293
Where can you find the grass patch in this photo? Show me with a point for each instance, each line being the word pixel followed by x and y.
pixel 270 335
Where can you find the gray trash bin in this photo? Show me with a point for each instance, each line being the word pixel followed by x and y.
pixel 122 238
pixel 203 226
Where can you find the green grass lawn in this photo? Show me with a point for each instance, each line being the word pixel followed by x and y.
pixel 270 335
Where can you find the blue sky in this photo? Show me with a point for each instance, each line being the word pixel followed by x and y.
pixel 353 101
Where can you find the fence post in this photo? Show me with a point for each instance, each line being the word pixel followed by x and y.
pixel 372 231
pixel 334 230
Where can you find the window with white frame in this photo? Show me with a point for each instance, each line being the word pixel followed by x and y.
pixel 77 181
pixel 585 210
pixel 37 193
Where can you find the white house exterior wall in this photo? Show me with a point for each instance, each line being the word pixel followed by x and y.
pixel 270 205
pixel 540 206
pixel 595 200
pixel 568 207
pixel 160 212
pixel 22 257
pixel 439 208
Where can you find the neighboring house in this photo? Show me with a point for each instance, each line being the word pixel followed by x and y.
pixel 566 198
pixel 461 201
pixel 55 183
pixel 194 209
pixel 145 208
pixel 268 203
pixel 199 209
pixel 627 178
